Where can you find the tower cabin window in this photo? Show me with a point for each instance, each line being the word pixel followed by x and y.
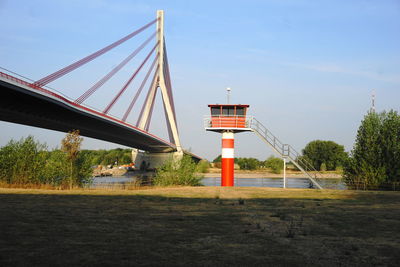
pixel 215 111
pixel 228 111
pixel 239 111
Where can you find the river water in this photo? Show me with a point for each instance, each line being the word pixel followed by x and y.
pixel 119 181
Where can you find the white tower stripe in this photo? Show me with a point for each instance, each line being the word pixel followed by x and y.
pixel 227 153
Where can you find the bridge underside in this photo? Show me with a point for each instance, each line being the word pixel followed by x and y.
pixel 25 106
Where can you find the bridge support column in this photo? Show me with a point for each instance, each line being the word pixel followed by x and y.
pixel 227 159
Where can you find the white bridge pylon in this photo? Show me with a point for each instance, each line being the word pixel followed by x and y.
pixel 163 82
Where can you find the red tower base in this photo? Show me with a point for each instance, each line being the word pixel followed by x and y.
pixel 227 159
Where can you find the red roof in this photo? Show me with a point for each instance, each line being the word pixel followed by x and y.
pixel 228 105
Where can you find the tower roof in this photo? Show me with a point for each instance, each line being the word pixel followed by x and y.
pixel 228 105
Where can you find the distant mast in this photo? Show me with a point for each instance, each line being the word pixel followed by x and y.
pixel 373 101
pixel 228 94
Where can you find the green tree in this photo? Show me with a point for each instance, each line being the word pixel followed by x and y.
pixel 71 145
pixel 217 159
pixel 125 158
pixel 389 138
pixel 328 152
pixel 248 163
pixel 375 159
pixel 275 164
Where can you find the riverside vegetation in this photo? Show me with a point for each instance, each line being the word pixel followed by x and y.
pixel 29 163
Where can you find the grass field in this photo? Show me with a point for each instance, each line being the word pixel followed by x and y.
pixel 201 226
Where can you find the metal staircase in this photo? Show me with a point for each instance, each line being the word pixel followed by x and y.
pixel 285 151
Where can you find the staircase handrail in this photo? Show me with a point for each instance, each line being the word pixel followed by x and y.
pixel 285 150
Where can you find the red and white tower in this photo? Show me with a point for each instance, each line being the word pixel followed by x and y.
pixel 227 119
pixel 227 159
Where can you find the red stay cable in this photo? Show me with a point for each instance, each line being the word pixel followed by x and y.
pixel 111 104
pixel 155 77
pixel 128 111
pixel 109 75
pixel 89 58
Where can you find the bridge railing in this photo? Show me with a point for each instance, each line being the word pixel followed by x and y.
pixel 15 77
pixel 11 76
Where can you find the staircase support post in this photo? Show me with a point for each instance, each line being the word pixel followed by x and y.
pixel 284 172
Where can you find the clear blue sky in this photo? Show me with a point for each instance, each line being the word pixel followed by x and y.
pixel 307 68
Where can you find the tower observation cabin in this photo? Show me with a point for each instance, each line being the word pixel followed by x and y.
pixel 227 117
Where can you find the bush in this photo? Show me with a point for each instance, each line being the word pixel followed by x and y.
pixel 83 171
pixel 182 172
pixel 323 167
pixel 217 165
pixel 27 162
pixel 55 169
pixel 339 169
pixel 275 164
pixel 203 166
pixel 21 161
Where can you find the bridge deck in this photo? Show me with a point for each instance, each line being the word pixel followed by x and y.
pixel 21 103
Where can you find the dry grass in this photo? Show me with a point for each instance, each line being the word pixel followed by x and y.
pixel 27 186
pixel 201 226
